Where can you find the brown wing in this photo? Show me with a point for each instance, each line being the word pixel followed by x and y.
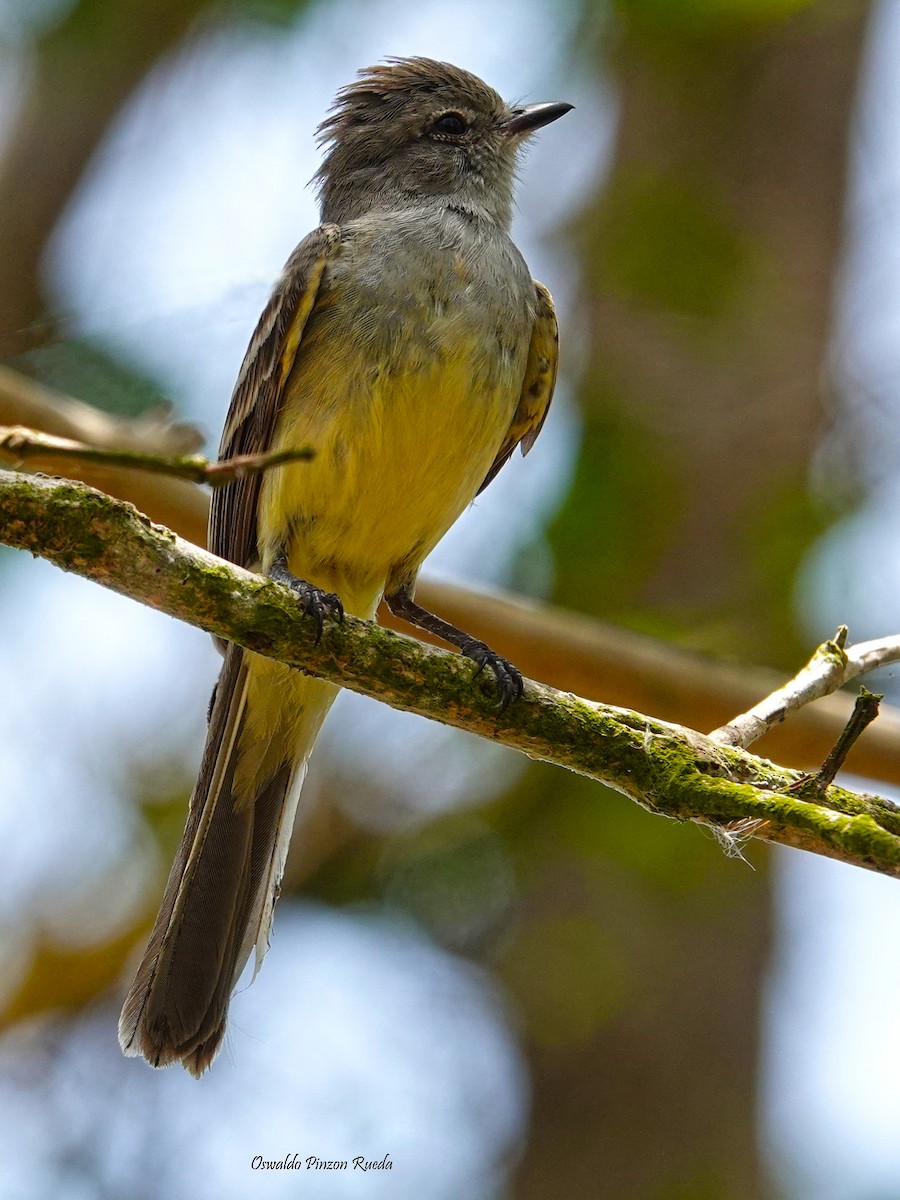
pixel 256 401
pixel 537 385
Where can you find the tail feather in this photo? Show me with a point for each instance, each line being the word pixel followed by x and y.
pixel 222 887
pixel 268 855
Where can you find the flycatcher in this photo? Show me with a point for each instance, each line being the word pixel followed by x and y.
pixel 408 344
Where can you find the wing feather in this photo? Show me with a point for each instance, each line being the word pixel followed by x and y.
pixel 259 391
pixel 537 384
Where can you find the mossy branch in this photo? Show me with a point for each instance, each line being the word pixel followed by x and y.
pixel 668 769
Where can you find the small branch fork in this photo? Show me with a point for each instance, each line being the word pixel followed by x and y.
pixel 831 666
pixel 18 444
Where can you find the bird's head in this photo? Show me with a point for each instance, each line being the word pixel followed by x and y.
pixel 413 128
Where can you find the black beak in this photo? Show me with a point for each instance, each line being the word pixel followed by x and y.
pixel 534 116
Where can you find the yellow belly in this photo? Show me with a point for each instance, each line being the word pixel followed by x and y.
pixel 398 458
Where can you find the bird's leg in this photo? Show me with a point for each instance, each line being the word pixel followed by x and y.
pixel 313 601
pixel 509 678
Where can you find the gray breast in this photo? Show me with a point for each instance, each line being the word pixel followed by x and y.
pixel 429 282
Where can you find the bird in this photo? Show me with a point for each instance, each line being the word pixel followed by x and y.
pixel 408 344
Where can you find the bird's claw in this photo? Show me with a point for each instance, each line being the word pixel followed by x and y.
pixel 509 678
pixel 313 601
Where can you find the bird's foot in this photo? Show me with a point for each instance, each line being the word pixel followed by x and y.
pixel 509 678
pixel 314 602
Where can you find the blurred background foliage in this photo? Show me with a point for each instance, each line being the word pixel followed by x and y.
pixel 543 991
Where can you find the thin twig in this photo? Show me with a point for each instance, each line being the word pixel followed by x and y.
pixel 865 710
pixel 832 665
pixel 18 444
pixel 866 656
pixel 227 469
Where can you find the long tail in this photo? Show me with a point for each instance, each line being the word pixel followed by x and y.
pixel 223 885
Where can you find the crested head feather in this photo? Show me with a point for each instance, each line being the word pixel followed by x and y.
pixel 395 80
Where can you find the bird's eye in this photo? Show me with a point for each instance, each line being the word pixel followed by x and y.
pixel 451 124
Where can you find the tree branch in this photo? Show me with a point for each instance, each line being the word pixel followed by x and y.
pixel 666 768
